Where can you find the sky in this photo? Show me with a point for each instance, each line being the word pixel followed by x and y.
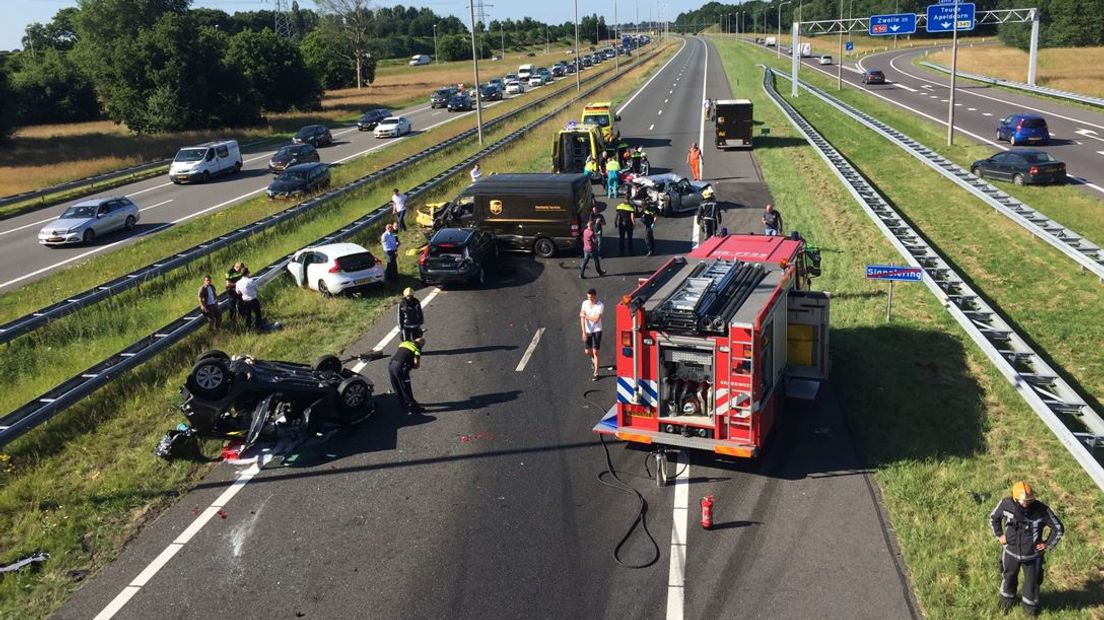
pixel 16 15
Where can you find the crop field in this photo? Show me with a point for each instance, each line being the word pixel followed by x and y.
pixel 84 485
pixel 1076 69
pixel 944 433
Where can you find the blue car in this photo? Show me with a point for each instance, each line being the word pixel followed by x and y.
pixel 1023 129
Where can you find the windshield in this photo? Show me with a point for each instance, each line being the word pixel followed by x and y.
pixel 602 120
pixel 78 212
pixel 294 175
pixel 307 131
pixel 1039 158
pixel 285 151
pixel 190 154
pixel 1034 123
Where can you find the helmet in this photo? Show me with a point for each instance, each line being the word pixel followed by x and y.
pixel 1022 491
pixel 707 192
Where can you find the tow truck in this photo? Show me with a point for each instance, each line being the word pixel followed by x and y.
pixel 710 344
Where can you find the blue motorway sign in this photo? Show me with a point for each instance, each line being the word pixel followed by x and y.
pixel 894 272
pixel 941 17
pixel 883 25
pixel 850 46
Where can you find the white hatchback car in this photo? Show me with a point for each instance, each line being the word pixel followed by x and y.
pixel 825 60
pixel 535 81
pixel 514 87
pixel 335 268
pixel 393 127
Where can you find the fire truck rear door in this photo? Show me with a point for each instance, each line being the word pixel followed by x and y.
pixel 807 343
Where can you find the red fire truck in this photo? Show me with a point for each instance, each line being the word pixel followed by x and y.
pixel 711 343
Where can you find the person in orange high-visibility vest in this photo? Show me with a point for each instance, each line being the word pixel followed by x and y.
pixel 694 158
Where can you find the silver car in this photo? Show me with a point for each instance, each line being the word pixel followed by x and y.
pixel 672 192
pixel 84 221
pixel 392 127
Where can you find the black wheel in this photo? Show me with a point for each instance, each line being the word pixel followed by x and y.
pixel 213 354
pixel 89 236
pixel 354 394
pixel 129 225
pixel 1018 179
pixel 237 167
pixel 999 138
pixel 206 176
pixel 666 211
pixel 327 363
pixel 210 378
pixel 544 248
pixel 977 172
pixel 325 290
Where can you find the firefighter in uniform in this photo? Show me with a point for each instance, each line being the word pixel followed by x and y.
pixel 709 215
pixel 648 218
pixel 1018 523
pixel 408 357
pixel 625 220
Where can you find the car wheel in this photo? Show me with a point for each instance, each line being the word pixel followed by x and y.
pixel 213 354
pixel 1012 139
pixel 999 136
pixel 237 166
pixel 129 225
pixel 1018 179
pixel 480 277
pixel 210 378
pixel 977 172
pixel 544 248
pixel 206 176
pixel 89 236
pixel 327 363
pixel 325 290
pixel 354 393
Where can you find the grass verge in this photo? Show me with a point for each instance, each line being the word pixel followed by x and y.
pixel 83 485
pixel 1076 69
pixel 944 432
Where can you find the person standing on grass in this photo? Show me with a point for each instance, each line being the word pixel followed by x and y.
pixel 251 304
pixel 590 322
pixel 233 274
pixel 476 172
pixel 694 158
pixel 591 249
pixel 398 208
pixel 772 221
pixel 208 303
pixel 1018 522
pixel 390 245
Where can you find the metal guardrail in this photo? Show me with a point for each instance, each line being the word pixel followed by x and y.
pixel 71 391
pixel 1086 253
pixel 40 317
pixel 89 181
pixel 1037 383
pixel 1039 90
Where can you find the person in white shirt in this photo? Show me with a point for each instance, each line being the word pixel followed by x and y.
pixel 476 172
pixel 590 322
pixel 398 208
pixel 251 305
pixel 390 245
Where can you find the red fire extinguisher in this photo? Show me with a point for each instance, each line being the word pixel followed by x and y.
pixel 707 512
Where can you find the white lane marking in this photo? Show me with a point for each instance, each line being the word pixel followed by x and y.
pixel 972 109
pixel 676 581
pixel 899 85
pixel 705 81
pixel 154 206
pixel 651 127
pixel 927 86
pixel 657 74
pixel 213 509
pixel 1100 152
pixel 1088 133
pixel 659 113
pixel 394 331
pixel 149 189
pixel 529 351
pixel 936 97
pixel 997 99
pixel 670 92
pixel 941 100
pixel 986 114
pixel 666 100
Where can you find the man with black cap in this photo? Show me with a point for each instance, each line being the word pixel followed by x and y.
pixel 408 357
pixel 1017 523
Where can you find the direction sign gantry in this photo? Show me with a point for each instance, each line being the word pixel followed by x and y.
pixel 885 25
pixel 941 17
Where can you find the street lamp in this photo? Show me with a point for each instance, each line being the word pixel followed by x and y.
pixel 578 67
pixel 436 58
pixel 475 66
pixel 778 40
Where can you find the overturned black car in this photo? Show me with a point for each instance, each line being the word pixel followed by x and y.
pixel 241 397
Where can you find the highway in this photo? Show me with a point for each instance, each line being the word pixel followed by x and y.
pixel 1077 134
pixel 163 204
pixel 489 506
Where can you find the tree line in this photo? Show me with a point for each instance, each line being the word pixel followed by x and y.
pixel 160 65
pixel 1063 23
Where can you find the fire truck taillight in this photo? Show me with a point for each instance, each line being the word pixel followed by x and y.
pixel 639 411
pixel 626 338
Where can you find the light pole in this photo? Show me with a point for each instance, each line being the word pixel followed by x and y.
pixel 475 67
pixel 436 57
pixel 778 40
pixel 616 57
pixel 839 60
pixel 578 67
pixel 954 72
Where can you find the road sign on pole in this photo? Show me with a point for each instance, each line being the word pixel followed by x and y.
pixel 900 23
pixel 941 17
pixel 850 46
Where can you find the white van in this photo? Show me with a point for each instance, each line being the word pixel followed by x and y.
pixel 203 161
pixel 771 41
pixel 525 72
pixel 806 50
pixel 419 59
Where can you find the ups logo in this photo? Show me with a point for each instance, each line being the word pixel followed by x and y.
pixel 496 207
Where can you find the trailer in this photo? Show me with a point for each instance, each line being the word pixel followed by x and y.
pixel 709 345
pixel 733 123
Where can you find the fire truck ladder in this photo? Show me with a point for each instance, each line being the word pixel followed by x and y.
pixel 1047 393
pixel 713 291
pixel 1086 253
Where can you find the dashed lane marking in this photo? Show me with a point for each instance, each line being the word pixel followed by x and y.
pixel 651 127
pixel 529 351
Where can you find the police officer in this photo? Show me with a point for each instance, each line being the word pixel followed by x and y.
pixel 408 357
pixel 1018 523
pixel 625 220
pixel 709 215
pixel 638 158
pixel 233 274
pixel 410 315
pixel 648 218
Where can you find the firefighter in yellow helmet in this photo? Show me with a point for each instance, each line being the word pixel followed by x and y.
pixel 1018 522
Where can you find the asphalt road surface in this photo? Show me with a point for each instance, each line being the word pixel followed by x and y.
pixel 164 204
pixel 489 506
pixel 1077 134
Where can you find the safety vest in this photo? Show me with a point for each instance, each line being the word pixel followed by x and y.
pixel 624 206
pixel 410 346
pixel 613 164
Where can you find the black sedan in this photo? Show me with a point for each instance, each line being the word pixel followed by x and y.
pixel 458 255
pixel 490 92
pixel 314 135
pixel 290 155
pixel 372 118
pixel 300 179
pixel 1022 167
pixel 459 103
pixel 873 76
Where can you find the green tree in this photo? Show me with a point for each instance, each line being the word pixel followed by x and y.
pixel 6 120
pixel 275 69
pixel 349 25
pixel 328 66
pixel 454 47
pixel 59 34
pixel 49 88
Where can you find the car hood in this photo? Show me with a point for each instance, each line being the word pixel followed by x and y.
pixel 281 159
pixel 279 186
pixel 66 224
pixel 394 127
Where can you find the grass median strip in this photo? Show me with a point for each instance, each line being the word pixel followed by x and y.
pixel 83 485
pixel 944 432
